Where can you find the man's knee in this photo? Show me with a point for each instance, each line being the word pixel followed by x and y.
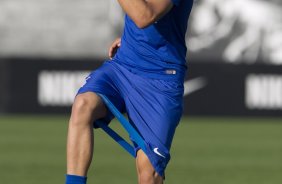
pixel 146 172
pixel 149 177
pixel 88 104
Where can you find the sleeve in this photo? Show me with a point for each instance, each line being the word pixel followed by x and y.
pixel 176 2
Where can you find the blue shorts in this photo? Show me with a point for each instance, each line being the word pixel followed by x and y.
pixel 153 106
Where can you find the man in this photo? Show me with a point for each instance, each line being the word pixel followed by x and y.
pixel 144 78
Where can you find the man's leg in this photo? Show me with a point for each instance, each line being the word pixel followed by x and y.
pixel 145 170
pixel 87 108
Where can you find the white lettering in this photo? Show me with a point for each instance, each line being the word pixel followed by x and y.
pixel 58 88
pixel 263 92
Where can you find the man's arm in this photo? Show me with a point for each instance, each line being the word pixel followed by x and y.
pixel 145 12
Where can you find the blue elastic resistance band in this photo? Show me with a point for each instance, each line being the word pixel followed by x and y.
pixel 126 125
pixel 116 137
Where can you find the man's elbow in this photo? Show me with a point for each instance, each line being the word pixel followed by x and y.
pixel 144 21
pixel 142 24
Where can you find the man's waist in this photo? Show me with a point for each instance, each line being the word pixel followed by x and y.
pixel 150 67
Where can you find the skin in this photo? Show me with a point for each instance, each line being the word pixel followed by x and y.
pixel 145 12
pixel 89 107
pixel 114 47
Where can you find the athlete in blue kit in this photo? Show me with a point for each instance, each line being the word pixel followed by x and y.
pixel 144 78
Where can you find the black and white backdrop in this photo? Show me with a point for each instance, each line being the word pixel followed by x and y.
pixel 234 54
pixel 232 31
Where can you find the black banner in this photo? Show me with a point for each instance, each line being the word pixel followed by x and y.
pixel 24 79
pixel 227 89
pixel 49 86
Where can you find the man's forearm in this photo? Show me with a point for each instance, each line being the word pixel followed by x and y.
pixel 145 12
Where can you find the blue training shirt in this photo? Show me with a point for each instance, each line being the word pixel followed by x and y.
pixel 159 50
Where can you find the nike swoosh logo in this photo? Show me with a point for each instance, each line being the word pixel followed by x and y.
pixel 194 85
pixel 158 153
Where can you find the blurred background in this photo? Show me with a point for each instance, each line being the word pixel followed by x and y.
pixel 231 130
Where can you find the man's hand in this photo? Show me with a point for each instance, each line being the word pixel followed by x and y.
pixel 114 47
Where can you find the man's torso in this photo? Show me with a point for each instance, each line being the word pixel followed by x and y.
pixel 159 50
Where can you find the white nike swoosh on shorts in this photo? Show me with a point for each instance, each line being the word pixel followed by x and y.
pixel 158 153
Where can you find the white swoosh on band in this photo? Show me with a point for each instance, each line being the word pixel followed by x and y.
pixel 194 85
pixel 158 153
